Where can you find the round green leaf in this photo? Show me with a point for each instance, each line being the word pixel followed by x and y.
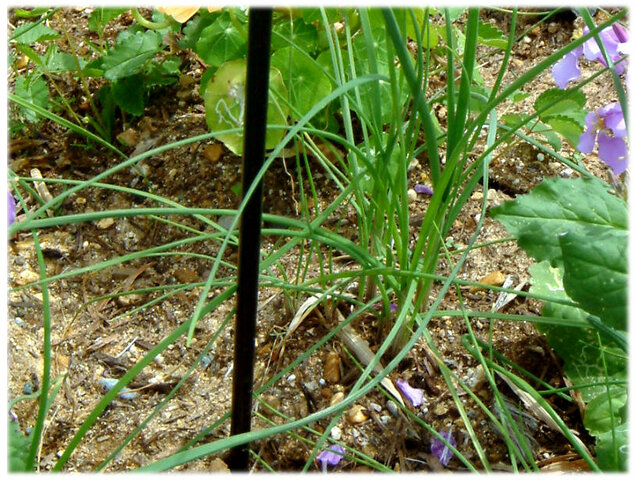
pixel 221 42
pixel 304 78
pixel 224 99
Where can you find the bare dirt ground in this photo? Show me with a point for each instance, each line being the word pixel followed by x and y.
pixel 94 339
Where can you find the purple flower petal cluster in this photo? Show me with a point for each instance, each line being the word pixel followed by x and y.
pixel 414 395
pixel 330 457
pixel 608 127
pixel 440 450
pixel 11 207
pixel 616 42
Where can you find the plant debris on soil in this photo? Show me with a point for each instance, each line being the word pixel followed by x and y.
pixel 95 340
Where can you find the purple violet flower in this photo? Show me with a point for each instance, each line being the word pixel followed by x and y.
pixel 608 127
pixel 332 456
pixel 424 189
pixel 616 42
pixel 11 207
pixel 414 395
pixel 440 450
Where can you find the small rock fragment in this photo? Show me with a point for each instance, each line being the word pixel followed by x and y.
pixel 392 408
pixel 125 393
pixel 105 223
pixel 357 414
pixel 129 137
pixel 441 409
pixel 332 367
pixel 337 397
pixel 25 277
pixel 495 278
pixel 213 152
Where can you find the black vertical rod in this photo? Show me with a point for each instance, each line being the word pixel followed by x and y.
pixel 255 115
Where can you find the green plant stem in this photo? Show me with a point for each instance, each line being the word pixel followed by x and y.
pixel 85 86
pixel 36 434
pixel 148 23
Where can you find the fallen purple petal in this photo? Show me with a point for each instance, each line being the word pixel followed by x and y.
pixel 393 307
pixel 331 457
pixel 439 450
pixel 414 395
pixel 11 207
pixel 613 152
pixel 423 189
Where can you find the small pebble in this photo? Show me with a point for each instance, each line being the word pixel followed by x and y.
pixel 25 277
pixel 566 173
pixel 312 386
pixel 495 278
pixel 332 367
pixel 291 379
pixel 337 397
pixel 105 223
pixel 392 408
pixel 441 409
pixel 412 196
pixel 125 393
pixel 225 221
pixel 273 402
pixel 205 362
pixel 336 433
pixel 357 414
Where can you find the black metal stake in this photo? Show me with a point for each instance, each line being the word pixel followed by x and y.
pixel 255 115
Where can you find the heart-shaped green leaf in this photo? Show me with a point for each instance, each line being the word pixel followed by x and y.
pixel 130 54
pixel 558 206
pixel 595 276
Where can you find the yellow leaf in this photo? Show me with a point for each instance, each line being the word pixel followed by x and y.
pixel 182 14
